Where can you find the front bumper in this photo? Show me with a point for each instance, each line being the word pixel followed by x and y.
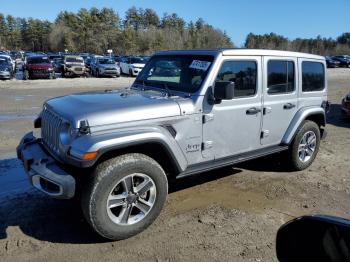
pixel 5 75
pixel 43 171
pixel 76 70
pixel 109 72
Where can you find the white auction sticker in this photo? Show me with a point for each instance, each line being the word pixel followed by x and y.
pixel 201 65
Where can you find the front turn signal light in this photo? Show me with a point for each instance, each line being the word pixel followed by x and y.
pixel 89 155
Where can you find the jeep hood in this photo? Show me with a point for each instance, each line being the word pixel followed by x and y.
pixel 112 107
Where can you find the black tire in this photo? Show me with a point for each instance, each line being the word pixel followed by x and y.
pixel 97 73
pixel 130 73
pixel 104 179
pixel 295 162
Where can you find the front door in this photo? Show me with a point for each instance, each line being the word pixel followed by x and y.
pixel 280 98
pixel 233 126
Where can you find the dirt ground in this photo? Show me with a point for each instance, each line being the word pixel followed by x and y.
pixel 231 214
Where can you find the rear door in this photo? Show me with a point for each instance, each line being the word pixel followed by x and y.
pixel 279 97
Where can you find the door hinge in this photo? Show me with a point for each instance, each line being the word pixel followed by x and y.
pixel 207 145
pixel 207 118
pixel 264 133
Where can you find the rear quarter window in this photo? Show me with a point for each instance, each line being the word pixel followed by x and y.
pixel 313 76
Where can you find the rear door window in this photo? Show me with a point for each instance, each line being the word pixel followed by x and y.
pixel 313 76
pixel 280 77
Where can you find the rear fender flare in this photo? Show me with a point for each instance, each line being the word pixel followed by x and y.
pixel 299 118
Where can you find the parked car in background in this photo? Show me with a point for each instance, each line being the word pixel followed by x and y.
pixel 117 59
pixel 343 61
pixel 54 56
pixel 73 66
pixel 38 67
pixel 331 63
pixel 345 105
pixel 6 71
pixel 58 64
pixel 12 61
pixel 105 66
pixel 132 65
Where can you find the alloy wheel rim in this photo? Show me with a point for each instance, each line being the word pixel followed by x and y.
pixel 307 146
pixel 131 199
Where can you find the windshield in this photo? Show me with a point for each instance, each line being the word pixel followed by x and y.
pixel 38 60
pixel 74 59
pixel 184 73
pixel 3 62
pixel 137 60
pixel 106 61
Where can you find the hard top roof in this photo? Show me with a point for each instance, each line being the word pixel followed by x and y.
pixel 240 52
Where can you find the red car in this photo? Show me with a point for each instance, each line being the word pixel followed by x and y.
pixel 38 67
pixel 346 105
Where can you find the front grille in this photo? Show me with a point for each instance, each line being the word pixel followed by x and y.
pixel 50 129
pixel 40 71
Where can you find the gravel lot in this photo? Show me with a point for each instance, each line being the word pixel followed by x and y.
pixel 231 214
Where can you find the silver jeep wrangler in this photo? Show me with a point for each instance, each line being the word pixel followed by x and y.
pixel 187 112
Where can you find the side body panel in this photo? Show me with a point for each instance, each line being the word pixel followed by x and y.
pixel 279 109
pixel 228 129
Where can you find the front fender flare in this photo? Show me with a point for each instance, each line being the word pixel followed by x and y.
pixel 124 138
pixel 299 117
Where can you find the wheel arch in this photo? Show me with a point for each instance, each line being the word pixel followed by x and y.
pixel 315 114
pixel 157 150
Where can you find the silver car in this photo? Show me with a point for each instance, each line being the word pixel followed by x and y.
pixel 105 66
pixel 5 69
pixel 187 112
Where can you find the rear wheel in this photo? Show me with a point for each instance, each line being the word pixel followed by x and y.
pixel 305 145
pixel 125 195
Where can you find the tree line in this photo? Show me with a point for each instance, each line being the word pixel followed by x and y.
pixel 318 45
pixel 141 31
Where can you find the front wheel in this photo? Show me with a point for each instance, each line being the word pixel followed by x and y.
pixel 305 145
pixel 125 195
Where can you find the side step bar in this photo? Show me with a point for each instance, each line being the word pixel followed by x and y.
pixel 228 161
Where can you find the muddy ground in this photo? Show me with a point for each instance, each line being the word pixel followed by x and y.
pixel 231 214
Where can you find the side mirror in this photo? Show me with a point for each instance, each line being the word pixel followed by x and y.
pixel 314 238
pixel 223 90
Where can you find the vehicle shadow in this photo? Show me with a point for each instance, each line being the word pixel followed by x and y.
pixel 271 163
pixel 336 118
pixel 62 221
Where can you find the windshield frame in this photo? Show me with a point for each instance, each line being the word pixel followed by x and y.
pixel 169 86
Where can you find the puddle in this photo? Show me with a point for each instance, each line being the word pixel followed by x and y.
pixel 13 179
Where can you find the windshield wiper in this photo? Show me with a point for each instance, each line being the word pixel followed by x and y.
pixel 146 83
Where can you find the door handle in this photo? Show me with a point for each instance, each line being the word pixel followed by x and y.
pixel 288 106
pixel 253 111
